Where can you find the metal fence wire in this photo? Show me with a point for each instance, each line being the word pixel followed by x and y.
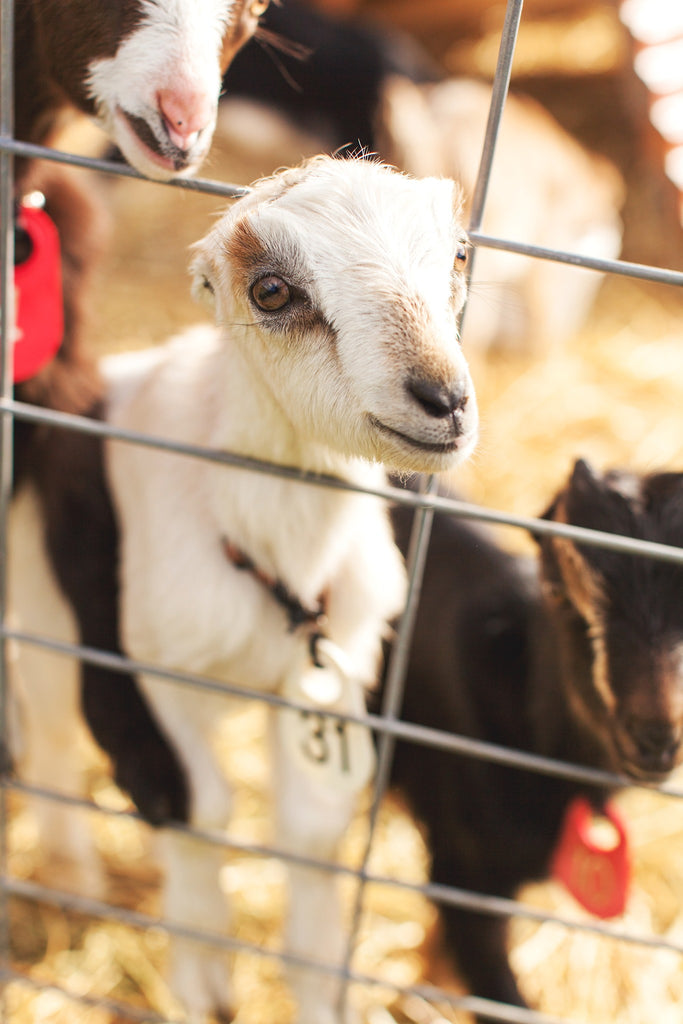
pixel 387 725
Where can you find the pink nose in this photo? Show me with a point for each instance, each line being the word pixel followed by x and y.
pixel 186 113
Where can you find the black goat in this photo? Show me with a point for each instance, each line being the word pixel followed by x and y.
pixel 330 77
pixel 583 664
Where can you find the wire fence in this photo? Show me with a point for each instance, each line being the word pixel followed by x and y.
pixel 387 725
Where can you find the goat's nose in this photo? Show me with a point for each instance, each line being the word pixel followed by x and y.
pixel 186 112
pixel 438 400
pixel 657 743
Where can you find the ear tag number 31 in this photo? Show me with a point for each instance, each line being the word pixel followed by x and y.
pixel 337 753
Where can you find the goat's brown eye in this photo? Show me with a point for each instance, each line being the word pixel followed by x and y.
pixel 462 256
pixel 271 293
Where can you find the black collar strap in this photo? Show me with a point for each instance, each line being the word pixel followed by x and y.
pixel 297 614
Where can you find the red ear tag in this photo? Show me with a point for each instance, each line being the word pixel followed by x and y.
pixel 592 858
pixel 38 296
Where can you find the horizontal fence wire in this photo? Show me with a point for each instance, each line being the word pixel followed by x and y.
pixel 380 724
pixel 643 271
pixel 387 724
pixel 444 895
pixel 443 504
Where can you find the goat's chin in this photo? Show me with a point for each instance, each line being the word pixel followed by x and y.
pixel 644 776
pixel 146 154
pixel 406 453
pixel 654 770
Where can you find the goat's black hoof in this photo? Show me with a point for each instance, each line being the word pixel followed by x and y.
pixel 155 809
pixel 223 1016
pixel 159 800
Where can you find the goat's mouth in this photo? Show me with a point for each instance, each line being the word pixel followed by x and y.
pixel 645 775
pixel 653 767
pixel 162 156
pixel 407 440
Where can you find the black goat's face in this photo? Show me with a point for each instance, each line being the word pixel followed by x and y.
pixel 620 617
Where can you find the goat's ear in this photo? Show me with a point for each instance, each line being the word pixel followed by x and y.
pixel 582 477
pixel 458 202
pixel 203 287
pixel 550 513
pixel 608 501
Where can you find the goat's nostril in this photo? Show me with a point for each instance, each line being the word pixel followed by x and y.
pixel 186 113
pixel 438 400
pixel 656 741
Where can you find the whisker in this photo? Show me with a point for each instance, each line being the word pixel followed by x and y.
pixel 236 323
pixel 279 42
pixel 500 297
pixel 270 42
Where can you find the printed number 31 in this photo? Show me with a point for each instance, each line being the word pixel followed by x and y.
pixel 326 740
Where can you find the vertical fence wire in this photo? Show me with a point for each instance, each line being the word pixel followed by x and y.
pixel 390 711
pixel 6 433
pixel 422 523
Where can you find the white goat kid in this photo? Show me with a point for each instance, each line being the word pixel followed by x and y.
pixel 336 288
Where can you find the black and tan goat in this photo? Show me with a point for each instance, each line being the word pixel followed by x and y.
pixel 582 664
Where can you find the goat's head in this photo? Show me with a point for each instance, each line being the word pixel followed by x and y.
pixel 621 616
pixel 342 280
pixel 149 70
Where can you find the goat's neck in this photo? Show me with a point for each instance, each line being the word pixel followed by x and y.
pixel 294 532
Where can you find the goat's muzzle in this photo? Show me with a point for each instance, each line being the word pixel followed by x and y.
pixel 649 748
pixel 440 400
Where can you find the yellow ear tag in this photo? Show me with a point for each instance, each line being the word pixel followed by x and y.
pixel 336 753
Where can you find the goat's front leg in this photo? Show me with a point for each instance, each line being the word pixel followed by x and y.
pixel 47 726
pixel 47 740
pixel 198 973
pixel 312 815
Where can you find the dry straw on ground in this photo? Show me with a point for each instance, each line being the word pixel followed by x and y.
pixel 613 395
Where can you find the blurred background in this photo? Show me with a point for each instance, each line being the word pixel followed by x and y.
pixel 565 362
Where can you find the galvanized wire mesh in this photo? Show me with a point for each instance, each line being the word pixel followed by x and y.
pixel 386 725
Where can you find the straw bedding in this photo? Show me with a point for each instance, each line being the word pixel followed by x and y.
pixel 613 395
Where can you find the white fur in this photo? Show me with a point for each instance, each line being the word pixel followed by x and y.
pixel 374 253
pixel 45 694
pixel 180 47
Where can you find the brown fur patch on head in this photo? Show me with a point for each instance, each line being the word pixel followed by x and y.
pixel 582 584
pixel 244 252
pixel 584 589
pixel 244 249
pixel 240 28
pixel 407 318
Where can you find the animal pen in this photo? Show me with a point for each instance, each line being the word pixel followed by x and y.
pixel 392 989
